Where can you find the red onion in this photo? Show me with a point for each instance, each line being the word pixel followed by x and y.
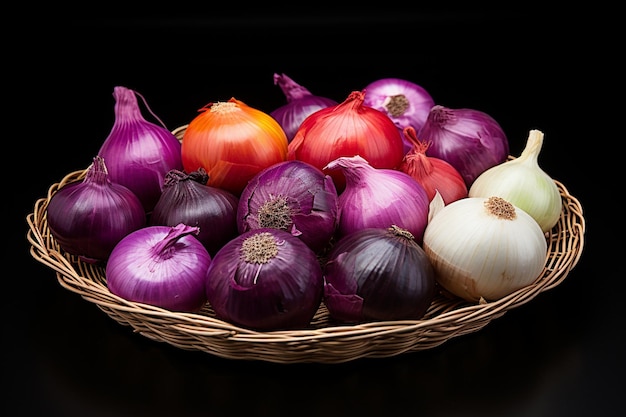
pixel 162 266
pixel 347 129
pixel 432 173
pixel 139 153
pixel 470 140
pixel 406 103
pixel 293 196
pixel 265 279
pixel 379 197
pixel 378 274
pixel 187 199
pixel 88 218
pixel 300 104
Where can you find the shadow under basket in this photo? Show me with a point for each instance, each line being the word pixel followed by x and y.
pixel 323 341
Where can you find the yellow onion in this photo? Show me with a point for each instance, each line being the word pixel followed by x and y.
pixel 232 142
pixel 483 248
pixel 522 182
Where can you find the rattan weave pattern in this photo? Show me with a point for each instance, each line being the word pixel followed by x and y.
pixel 323 341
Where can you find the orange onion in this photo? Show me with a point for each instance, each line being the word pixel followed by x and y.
pixel 346 130
pixel 232 142
pixel 434 174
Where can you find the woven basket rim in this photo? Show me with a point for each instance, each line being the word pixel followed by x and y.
pixel 324 341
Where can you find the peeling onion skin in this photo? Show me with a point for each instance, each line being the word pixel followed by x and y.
pixel 161 266
pixel 481 256
pixel 265 279
pixel 293 196
pixel 378 274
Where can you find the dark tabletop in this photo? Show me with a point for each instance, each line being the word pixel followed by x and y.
pixel 559 355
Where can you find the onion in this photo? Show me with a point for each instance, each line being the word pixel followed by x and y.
pixel 233 142
pixel 347 129
pixel 470 140
pixel 522 182
pixel 483 249
pixel 265 279
pixel 293 196
pixel 88 218
pixel 162 266
pixel 187 199
pixel 378 274
pixel 379 197
pixel 406 103
pixel 139 153
pixel 300 104
pixel 432 173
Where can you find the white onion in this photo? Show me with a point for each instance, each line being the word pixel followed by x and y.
pixel 483 248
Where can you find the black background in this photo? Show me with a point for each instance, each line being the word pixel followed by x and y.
pixel 561 354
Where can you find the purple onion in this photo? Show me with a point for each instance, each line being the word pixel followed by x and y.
pixel 88 218
pixel 300 104
pixel 293 196
pixel 187 199
pixel 162 266
pixel 378 274
pixel 470 140
pixel 406 103
pixel 380 197
pixel 139 153
pixel 265 279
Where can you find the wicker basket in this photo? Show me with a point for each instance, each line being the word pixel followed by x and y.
pixel 323 341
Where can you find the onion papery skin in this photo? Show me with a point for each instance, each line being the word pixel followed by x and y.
pixel 379 197
pixel 187 199
pixel 300 104
pixel 293 196
pixel 139 153
pixel 479 256
pixel 347 129
pixel 470 140
pixel 378 274
pixel 404 102
pixel 161 266
pixel 233 142
pixel 88 218
pixel 432 173
pixel 522 182
pixel 265 279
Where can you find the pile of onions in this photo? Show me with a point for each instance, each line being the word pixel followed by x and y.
pixel 432 173
pixel 379 197
pixel 162 266
pixel 89 217
pixel 522 182
pixel 347 129
pixel 378 274
pixel 483 249
pixel 470 140
pixel 233 142
pixel 292 196
pixel 265 279
pixel 187 199
pixel 406 103
pixel 300 104
pixel 139 153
